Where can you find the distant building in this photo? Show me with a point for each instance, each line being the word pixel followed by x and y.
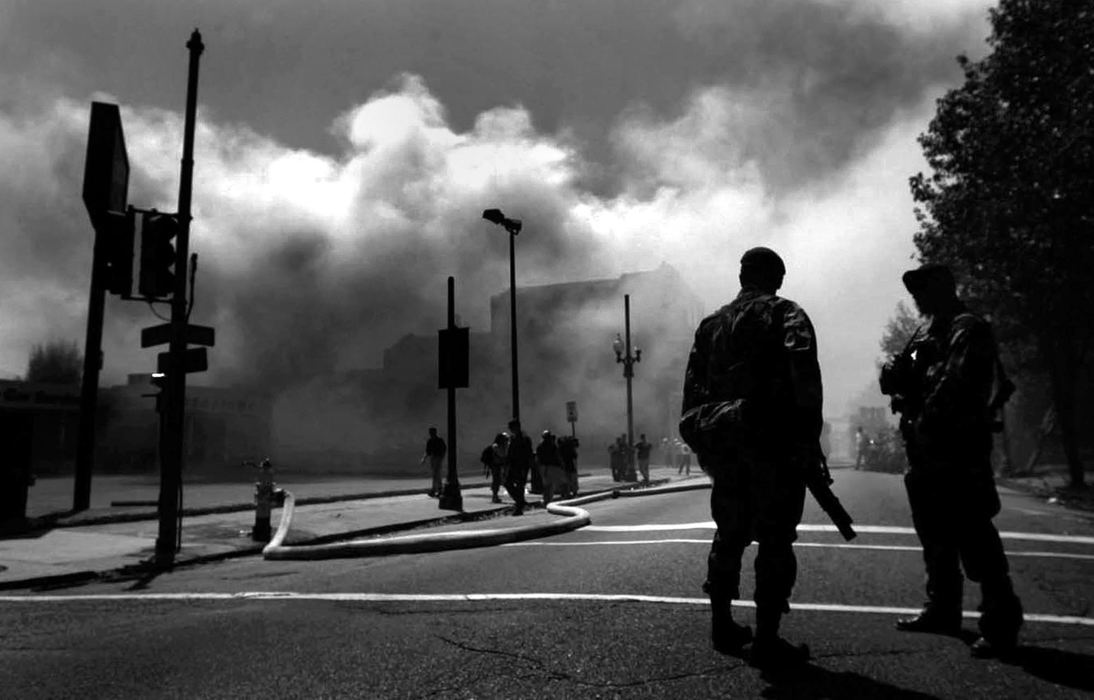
pixel 565 334
pixel 222 427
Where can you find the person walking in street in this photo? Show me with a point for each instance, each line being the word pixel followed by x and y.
pixel 614 458
pixel 521 460
pixel 642 453
pixel 495 457
pixel 755 362
pixel 550 464
pixel 862 446
pixel 434 452
pixel 567 452
pixel 947 384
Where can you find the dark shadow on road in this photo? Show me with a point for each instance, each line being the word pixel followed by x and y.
pixel 812 681
pixel 1056 666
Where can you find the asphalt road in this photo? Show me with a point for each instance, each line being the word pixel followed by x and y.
pixel 611 610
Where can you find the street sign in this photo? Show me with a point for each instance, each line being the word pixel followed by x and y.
pixel 194 360
pixel 571 411
pixel 161 335
pixel 106 165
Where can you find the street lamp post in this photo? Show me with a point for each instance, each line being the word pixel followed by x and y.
pixel 512 226
pixel 623 355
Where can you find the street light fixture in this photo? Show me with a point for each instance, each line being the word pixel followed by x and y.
pixel 624 356
pixel 513 227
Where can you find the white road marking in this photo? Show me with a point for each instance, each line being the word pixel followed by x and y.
pixel 481 597
pixel 823 545
pixel 861 529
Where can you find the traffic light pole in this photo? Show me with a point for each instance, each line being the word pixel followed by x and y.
pixel 171 438
pixel 89 387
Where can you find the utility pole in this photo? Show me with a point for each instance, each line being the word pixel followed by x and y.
pixel 513 227
pixel 513 317
pixel 171 441
pixel 623 355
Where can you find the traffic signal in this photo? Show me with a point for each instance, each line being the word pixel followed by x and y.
pixel 114 237
pixel 157 277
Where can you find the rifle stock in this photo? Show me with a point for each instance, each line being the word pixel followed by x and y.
pixel 817 480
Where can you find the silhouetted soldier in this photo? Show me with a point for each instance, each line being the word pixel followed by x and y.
pixel 758 353
pixel 434 451
pixel 943 384
pixel 520 462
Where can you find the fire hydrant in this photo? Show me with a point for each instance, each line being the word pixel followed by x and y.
pixel 267 495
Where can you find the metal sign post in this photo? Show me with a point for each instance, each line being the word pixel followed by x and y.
pixel 454 363
pixel 175 389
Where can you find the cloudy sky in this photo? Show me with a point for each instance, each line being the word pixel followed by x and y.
pixel 346 150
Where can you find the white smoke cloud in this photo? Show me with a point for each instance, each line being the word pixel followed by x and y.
pixel 312 263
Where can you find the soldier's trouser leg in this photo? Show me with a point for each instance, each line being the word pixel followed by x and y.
pixel 729 507
pixel 936 530
pixel 730 511
pixel 779 498
pixel 986 563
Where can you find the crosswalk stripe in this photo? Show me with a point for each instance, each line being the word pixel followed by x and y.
pixel 484 597
pixel 861 529
pixel 822 545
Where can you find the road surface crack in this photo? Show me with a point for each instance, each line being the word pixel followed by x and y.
pixel 566 677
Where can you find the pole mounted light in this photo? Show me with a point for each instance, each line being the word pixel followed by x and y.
pixel 512 226
pixel 495 216
pixel 627 355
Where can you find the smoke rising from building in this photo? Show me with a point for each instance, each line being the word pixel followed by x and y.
pixel 760 128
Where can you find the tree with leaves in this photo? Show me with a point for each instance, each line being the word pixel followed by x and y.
pixel 1008 201
pixel 55 362
pixel 899 330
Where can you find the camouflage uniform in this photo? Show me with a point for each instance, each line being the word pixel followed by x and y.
pixel 946 425
pixel 760 348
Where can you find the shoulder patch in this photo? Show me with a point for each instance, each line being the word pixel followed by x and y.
pixel 797 330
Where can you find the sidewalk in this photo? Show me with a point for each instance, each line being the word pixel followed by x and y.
pixel 112 540
pixel 1051 482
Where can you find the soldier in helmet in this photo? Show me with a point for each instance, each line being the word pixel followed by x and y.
pixel 947 383
pixel 760 350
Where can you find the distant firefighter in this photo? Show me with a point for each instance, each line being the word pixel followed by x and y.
pixel 521 461
pixel 567 451
pixel 550 464
pixel 435 450
pixel 495 458
pixel 642 450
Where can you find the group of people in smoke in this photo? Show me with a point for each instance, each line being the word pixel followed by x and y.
pixel 552 465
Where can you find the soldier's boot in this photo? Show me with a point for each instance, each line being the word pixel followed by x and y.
pixel 726 636
pixel 933 618
pixel 1000 620
pixel 770 652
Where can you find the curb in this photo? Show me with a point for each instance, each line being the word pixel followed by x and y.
pixel 574 518
pixel 86 576
pixel 54 521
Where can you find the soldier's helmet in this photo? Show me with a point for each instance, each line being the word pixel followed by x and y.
pixel 929 277
pixel 761 259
